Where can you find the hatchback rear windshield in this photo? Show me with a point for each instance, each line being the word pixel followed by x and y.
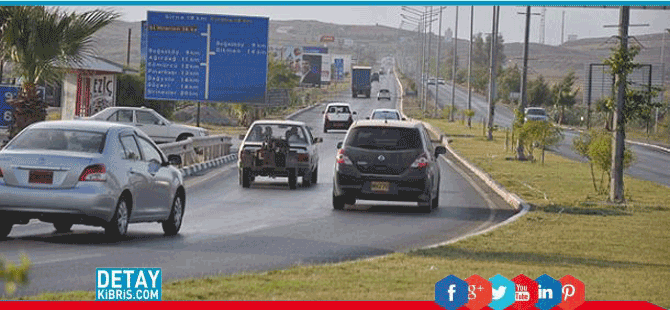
pixel 385 115
pixel 59 140
pixel 384 138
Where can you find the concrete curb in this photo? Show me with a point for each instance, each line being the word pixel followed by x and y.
pixel 653 146
pixel 303 110
pixel 511 198
pixel 195 168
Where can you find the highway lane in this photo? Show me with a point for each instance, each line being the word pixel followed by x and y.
pixel 647 160
pixel 228 229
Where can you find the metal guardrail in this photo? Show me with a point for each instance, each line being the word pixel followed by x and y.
pixel 198 149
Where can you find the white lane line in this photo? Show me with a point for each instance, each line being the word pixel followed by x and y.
pixel 59 260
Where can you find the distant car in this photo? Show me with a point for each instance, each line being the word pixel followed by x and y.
pixel 374 78
pixel 151 122
pixel 92 173
pixel 441 81
pixel 431 81
pixel 535 114
pixel 384 94
pixel 337 116
pixel 277 148
pixel 387 114
pixel 392 161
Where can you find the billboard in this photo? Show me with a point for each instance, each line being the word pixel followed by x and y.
pixel 338 64
pixel 206 57
pixel 311 73
pixel 102 92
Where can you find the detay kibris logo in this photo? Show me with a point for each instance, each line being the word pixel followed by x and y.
pixel 132 284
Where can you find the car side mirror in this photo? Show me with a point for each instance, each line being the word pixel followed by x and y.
pixel 404 119
pixel 174 160
pixel 354 113
pixel 242 137
pixel 339 145
pixel 440 150
pixel 367 117
pixel 323 112
pixel 317 140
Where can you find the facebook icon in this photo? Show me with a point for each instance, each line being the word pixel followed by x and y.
pixel 451 293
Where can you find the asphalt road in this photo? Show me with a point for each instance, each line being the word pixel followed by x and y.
pixel 228 229
pixel 647 164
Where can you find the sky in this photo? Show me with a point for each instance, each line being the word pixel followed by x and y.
pixel 583 22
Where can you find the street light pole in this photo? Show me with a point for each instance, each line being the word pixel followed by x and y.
pixel 662 79
pixel 524 82
pixel 439 50
pixel 472 15
pixel 453 71
pixel 492 78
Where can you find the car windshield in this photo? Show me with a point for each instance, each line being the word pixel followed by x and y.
pixel 384 91
pixel 384 138
pixel 539 112
pixel 338 109
pixel 59 139
pixel 292 133
pixel 385 115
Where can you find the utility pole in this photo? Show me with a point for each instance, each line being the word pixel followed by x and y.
pixel 562 26
pixel 453 71
pixel 524 82
pixel 439 50
pixel 128 50
pixel 492 78
pixel 543 24
pixel 472 15
pixel 423 61
pixel 662 79
pixel 430 36
pixel 619 136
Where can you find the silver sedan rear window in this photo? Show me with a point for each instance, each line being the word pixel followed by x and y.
pixel 59 140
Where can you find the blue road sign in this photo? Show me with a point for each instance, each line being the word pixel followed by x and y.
pixel 206 57
pixel 6 111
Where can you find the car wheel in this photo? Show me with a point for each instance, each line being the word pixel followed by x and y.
pixel 118 227
pixel 173 224
pixel 339 202
pixel 426 206
pixel 435 203
pixel 315 175
pixel 246 178
pixel 307 179
pixel 184 136
pixel 292 179
pixel 63 227
pixel 5 229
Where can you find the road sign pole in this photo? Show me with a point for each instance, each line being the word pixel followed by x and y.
pixel 208 34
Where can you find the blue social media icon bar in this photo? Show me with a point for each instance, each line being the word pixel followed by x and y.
pixel 451 292
pixel 128 284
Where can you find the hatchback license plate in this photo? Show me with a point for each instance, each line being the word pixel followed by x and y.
pixel 380 186
pixel 41 176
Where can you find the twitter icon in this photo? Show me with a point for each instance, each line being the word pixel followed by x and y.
pixel 503 292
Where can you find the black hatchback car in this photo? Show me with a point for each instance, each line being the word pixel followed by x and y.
pixel 391 161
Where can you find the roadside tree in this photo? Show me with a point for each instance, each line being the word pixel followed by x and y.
pixel 39 41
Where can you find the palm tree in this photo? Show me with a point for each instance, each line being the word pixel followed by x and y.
pixel 41 41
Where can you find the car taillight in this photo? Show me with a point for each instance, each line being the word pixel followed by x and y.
pixel 342 158
pixel 420 162
pixel 96 173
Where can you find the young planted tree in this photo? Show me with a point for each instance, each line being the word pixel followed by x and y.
pixel 563 94
pixel 40 42
pixel 596 147
pixel 539 134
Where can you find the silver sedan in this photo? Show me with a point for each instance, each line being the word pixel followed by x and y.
pixel 91 173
